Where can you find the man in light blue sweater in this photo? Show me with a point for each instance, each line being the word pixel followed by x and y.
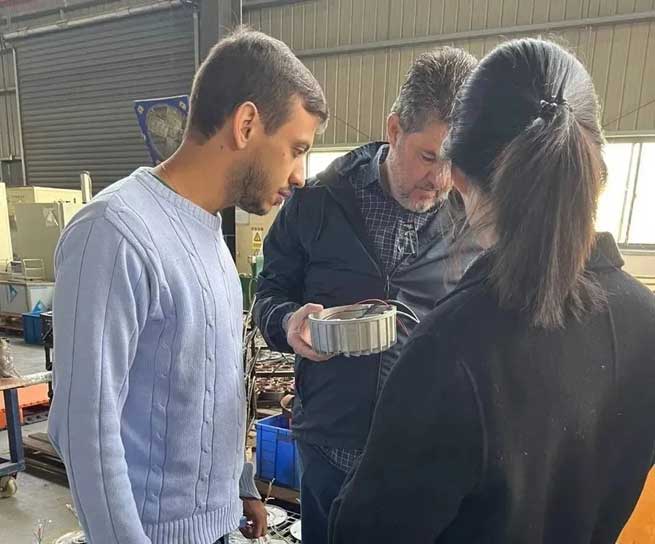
pixel 149 401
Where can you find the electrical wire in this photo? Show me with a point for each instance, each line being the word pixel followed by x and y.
pixel 411 315
pixel 369 300
pixel 409 310
pixel 408 316
pixel 366 136
pixel 402 326
pixel 629 113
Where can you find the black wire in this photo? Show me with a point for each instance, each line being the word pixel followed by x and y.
pixel 368 137
pixel 352 127
pixel 629 113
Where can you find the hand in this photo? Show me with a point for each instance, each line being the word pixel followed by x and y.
pixel 256 517
pixel 298 335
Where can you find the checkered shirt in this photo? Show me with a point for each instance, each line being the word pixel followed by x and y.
pixel 392 229
pixel 394 233
pixel 344 460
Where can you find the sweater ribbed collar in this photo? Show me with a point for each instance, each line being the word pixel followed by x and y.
pixel 154 184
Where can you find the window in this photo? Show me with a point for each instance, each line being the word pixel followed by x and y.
pixel 624 205
pixel 318 160
pixel 623 208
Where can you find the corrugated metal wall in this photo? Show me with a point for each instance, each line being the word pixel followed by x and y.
pixel 10 155
pixel 77 87
pixel 343 43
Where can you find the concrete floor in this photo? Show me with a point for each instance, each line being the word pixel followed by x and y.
pixel 36 499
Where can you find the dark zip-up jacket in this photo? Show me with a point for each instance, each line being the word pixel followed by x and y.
pixel 490 431
pixel 318 250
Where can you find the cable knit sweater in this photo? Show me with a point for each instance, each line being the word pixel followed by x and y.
pixel 149 409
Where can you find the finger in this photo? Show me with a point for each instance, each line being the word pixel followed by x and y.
pixel 261 527
pixel 303 349
pixel 311 307
pixel 303 313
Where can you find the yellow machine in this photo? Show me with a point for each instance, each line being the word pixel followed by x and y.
pixel 35 195
pixel 6 252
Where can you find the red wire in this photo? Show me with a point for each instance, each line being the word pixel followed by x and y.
pixel 402 326
pixel 398 321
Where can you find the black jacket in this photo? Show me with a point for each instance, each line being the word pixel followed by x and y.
pixel 318 250
pixel 491 431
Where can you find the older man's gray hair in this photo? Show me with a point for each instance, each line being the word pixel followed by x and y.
pixel 430 87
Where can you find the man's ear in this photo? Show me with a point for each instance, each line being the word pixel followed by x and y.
pixel 393 129
pixel 244 121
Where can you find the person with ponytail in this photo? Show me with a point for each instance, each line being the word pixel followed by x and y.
pixel 521 410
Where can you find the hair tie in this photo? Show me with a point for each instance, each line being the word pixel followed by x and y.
pixel 548 108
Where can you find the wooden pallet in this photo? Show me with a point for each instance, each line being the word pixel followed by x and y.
pixel 42 460
pixel 11 324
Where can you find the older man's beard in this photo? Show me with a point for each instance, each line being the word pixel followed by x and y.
pixel 250 182
pixel 404 197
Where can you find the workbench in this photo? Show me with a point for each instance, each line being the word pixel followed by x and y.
pixel 9 468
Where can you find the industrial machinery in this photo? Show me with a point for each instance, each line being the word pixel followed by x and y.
pixel 358 329
pixel 283 528
pixel 37 230
pixel 38 195
pixel 6 252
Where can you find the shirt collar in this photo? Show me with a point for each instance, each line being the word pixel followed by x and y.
pixel 372 172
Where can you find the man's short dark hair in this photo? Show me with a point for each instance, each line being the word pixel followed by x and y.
pixel 251 66
pixel 431 86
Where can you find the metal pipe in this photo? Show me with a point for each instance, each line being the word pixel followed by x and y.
pixel 627 134
pixel 86 185
pixel 257 4
pixel 118 14
pixel 484 33
pixel 27 14
pixel 23 162
pixel 196 38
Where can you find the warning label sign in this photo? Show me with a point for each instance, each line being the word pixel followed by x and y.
pixel 257 239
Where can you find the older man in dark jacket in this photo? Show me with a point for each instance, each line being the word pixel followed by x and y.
pixel 378 223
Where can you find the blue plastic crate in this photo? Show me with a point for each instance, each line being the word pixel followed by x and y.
pixel 276 452
pixel 32 328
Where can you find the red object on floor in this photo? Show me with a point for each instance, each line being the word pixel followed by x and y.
pixel 33 395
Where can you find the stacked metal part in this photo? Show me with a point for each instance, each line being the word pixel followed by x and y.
pixel 357 329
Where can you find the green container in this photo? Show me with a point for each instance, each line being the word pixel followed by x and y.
pixel 248 290
pixel 249 281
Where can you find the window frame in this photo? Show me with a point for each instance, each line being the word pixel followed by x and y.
pixel 326 149
pixel 641 249
pixel 626 246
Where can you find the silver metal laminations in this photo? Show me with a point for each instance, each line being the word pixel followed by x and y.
pixel 358 329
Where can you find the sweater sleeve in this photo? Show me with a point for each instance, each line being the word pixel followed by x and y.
pixel 247 487
pixel 422 458
pixel 100 305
